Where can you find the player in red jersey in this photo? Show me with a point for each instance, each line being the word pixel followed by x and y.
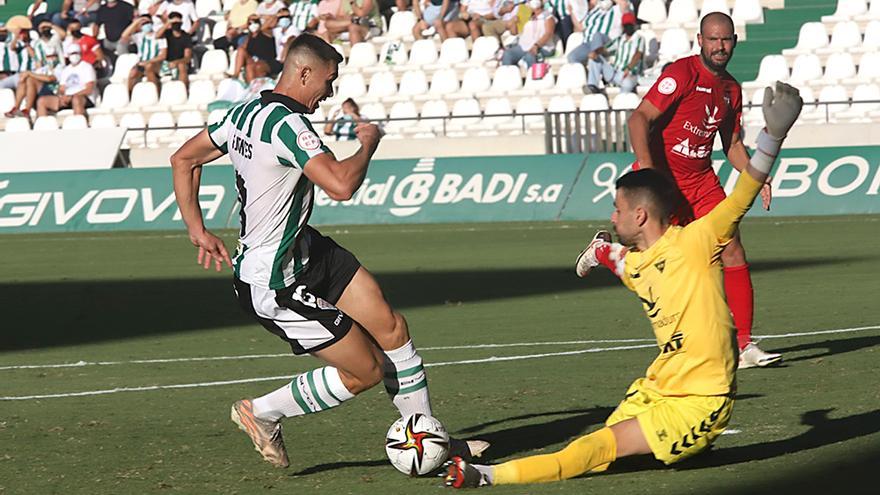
pixel 674 128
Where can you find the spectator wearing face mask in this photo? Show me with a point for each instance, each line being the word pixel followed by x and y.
pixel 41 81
pixel 49 38
pixel 152 51
pixel 627 51
pixel 187 11
pixel 259 44
pixel 283 31
pixel 343 120
pixel 179 46
pixel 76 90
pixel 114 16
pixel 88 45
pixel 537 38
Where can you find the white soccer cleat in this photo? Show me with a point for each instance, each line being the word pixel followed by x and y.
pixel 266 435
pixel 751 356
pixel 586 261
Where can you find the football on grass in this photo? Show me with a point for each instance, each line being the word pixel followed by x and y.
pixel 417 444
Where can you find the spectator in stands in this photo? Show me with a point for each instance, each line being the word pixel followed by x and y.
pixel 505 18
pixel 303 16
pixel 343 120
pixel 537 39
pixel 42 81
pixel 476 13
pixel 436 14
pixel 151 50
pixel 49 38
pixel 84 11
pixel 268 10
pixel 76 90
pixel 179 45
pixel 577 11
pixel 10 57
pixel 187 11
pixel 627 50
pixel 238 91
pixel 89 47
pixel 328 10
pixel 601 24
pixel 259 44
pixel 237 17
pixel 284 32
pixel 114 16
pixel 53 12
pixel 564 27
pixel 357 17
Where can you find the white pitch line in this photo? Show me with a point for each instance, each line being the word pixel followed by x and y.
pixel 492 359
pixel 79 364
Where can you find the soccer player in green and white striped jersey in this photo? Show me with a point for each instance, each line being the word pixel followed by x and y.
pixel 152 50
pixel 299 284
pixel 628 50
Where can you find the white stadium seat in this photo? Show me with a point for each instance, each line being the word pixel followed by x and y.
pixel 201 92
pixel 681 12
pixel 543 84
pixel 351 86
pixel 401 25
pixel 444 82
pixel 506 78
pixel 190 118
pixel 397 53
pixel 531 105
pixel 652 11
pixel 18 124
pixel 103 121
pixel 123 66
pixel 864 100
pixel 484 49
pixel 159 119
pixel 475 80
pixel 626 101
pixel 374 111
pixel 833 93
pixel 847 9
pixel 423 52
pixel 115 97
pixel 497 112
pixel 594 102
pixel 7 99
pixel 230 90
pixel 562 103
pixel 402 110
pixel 173 93
pixel 845 36
pixel 575 40
pixel 144 94
pixel 362 55
pixel 571 76
pixel 204 8
pixel 873 13
pixel 412 83
pixel 839 66
pixel 871 41
pixel 132 121
pixel 710 6
pixel 773 68
pixel 748 11
pixel 381 85
pixel 46 123
pixel 806 67
pixel 214 62
pixel 869 67
pixel 434 108
pixel 674 43
pixel 75 122
pixel 467 107
pixel 219 29
pixel 453 51
pixel 812 36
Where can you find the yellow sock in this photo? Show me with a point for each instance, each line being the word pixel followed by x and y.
pixel 597 449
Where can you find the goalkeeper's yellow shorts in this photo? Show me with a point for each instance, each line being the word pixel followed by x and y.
pixel 675 427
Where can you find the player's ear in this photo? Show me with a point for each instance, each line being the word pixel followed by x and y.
pixel 735 39
pixel 304 73
pixel 641 215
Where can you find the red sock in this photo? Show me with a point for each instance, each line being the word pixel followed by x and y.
pixel 740 299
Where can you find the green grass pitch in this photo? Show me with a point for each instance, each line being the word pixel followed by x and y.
pixel 810 425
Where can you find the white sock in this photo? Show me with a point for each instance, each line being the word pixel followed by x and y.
pixel 310 392
pixel 406 381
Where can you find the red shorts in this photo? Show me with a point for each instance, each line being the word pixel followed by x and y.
pixel 699 194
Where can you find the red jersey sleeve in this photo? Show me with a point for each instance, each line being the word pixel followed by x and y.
pixel 672 86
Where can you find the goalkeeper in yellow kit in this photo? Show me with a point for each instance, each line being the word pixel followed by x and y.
pixel 685 399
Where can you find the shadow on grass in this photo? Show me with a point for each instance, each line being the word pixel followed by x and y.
pixel 827 348
pixel 53 314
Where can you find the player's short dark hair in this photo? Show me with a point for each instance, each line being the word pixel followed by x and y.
pixel 652 188
pixel 715 16
pixel 316 47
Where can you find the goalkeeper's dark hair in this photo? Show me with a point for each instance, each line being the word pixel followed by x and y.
pixel 315 47
pixel 652 189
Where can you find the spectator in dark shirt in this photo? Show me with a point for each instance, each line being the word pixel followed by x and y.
pixel 259 44
pixel 179 46
pixel 115 16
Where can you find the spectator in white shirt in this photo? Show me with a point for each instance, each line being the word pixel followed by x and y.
pixel 77 88
pixel 187 11
pixel 477 13
pixel 537 39
pixel 505 18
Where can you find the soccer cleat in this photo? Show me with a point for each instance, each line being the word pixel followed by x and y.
pixel 460 474
pixel 751 356
pixel 266 435
pixel 466 449
pixel 586 261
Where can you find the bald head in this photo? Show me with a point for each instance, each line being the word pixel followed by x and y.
pixel 715 19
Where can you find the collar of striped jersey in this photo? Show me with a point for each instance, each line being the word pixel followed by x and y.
pixel 269 96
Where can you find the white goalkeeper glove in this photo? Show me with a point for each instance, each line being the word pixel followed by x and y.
pixel 781 109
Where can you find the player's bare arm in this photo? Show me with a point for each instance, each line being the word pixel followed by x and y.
pixel 340 179
pixel 639 124
pixel 186 169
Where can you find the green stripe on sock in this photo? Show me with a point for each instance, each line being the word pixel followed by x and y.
pixel 327 384
pixel 407 372
pixel 412 388
pixel 311 377
pixel 297 395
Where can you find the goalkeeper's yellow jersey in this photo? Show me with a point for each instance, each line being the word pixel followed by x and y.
pixel 679 281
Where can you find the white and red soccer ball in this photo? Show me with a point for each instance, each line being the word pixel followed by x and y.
pixel 417 444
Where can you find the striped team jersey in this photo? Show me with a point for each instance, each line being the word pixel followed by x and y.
pixel 603 21
pixel 148 47
pixel 9 58
pixel 301 12
pixel 269 141
pixel 624 49
pixel 557 7
pixel 679 282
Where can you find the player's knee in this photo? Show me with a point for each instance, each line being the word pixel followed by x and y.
pixel 366 378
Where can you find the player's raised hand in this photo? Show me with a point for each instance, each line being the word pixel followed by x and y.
pixel 781 108
pixel 211 248
pixel 368 134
